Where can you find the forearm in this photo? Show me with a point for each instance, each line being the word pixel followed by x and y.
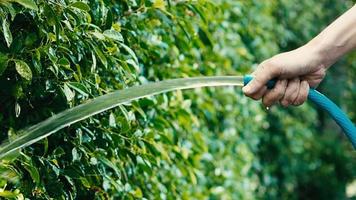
pixel 337 39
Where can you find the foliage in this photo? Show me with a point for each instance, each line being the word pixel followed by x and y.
pixel 202 144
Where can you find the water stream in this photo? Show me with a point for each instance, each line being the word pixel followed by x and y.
pixel 100 104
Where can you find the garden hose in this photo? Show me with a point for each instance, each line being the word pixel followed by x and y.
pixel 330 107
pixel 105 102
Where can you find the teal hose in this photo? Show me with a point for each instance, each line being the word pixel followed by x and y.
pixel 330 107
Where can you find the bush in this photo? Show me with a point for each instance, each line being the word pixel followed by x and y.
pixel 203 144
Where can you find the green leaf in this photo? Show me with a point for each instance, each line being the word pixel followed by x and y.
pixel 27 3
pixel 8 194
pixel 192 176
pixel 85 182
pixel 98 35
pixel 101 56
pixel 9 7
pixel 79 88
pixel 23 69
pixel 110 164
pixel 63 61
pixel 100 104
pixel 75 154
pixel 159 4
pixel 133 63
pixel 80 5
pixel 7 32
pixel 68 93
pixel 129 50
pixel 112 120
pixel 32 170
pixel 112 34
pixel 11 157
pixel 137 193
pixel 93 66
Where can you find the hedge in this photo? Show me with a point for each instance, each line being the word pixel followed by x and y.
pixel 209 143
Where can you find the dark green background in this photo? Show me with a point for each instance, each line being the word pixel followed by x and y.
pixel 201 144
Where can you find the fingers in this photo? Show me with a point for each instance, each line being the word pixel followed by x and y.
pixel 262 75
pixel 259 94
pixel 276 94
pixel 302 94
pixel 291 92
pixel 287 92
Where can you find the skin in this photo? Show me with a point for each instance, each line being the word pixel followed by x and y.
pixel 305 67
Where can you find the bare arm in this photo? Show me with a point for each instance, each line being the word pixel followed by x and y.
pixel 304 67
pixel 337 39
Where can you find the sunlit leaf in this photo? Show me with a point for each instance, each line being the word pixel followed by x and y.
pixel 80 5
pixel 68 93
pixel 6 31
pixel 137 193
pixel 23 69
pixel 8 194
pixel 27 3
pixel 160 4
pixel 112 34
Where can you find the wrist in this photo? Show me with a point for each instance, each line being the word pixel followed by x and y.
pixel 320 53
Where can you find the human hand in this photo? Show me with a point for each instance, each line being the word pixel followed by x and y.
pixel 296 71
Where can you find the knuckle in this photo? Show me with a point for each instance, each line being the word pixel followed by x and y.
pixel 293 86
pixel 278 93
pixel 281 94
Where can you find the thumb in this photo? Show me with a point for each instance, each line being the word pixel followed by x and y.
pixel 261 76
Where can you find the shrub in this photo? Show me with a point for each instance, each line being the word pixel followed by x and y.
pixel 202 144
